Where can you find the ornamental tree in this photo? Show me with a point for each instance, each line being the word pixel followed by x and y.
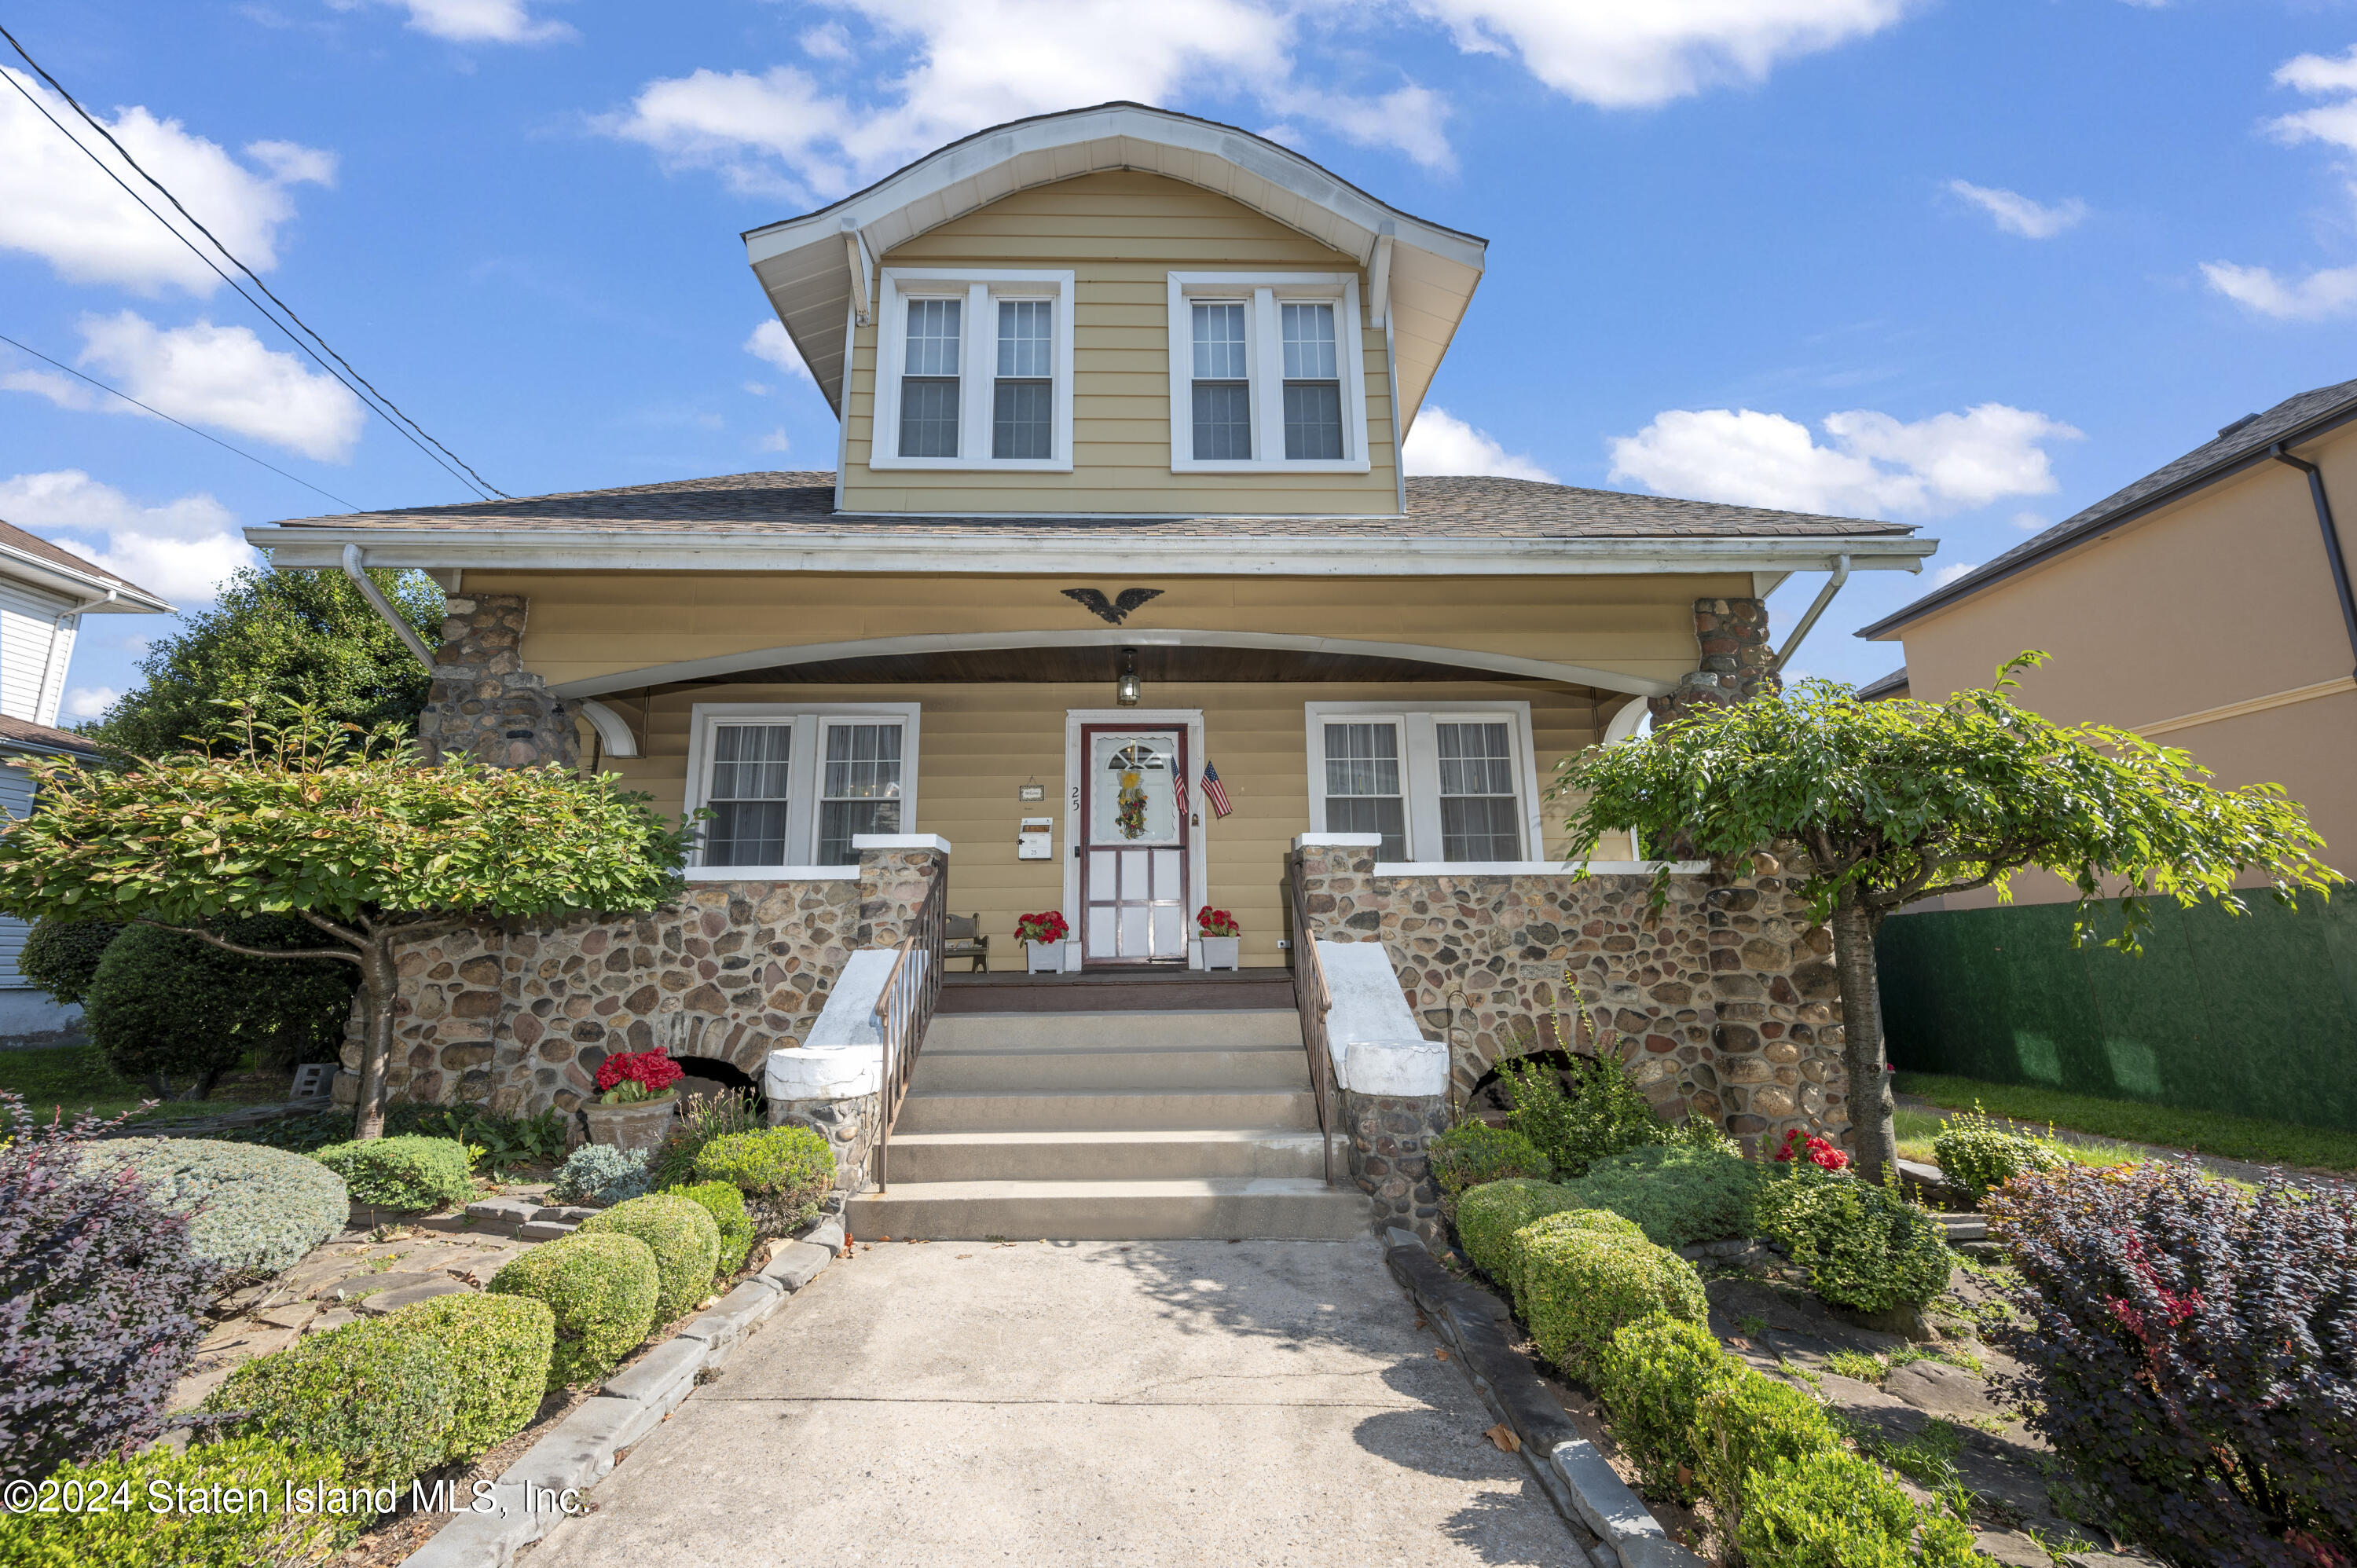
pixel 345 831
pixel 1898 801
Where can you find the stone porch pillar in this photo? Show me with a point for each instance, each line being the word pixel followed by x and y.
pixel 1735 658
pixel 483 702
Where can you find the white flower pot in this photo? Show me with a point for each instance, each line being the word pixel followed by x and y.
pixel 1220 952
pixel 1045 958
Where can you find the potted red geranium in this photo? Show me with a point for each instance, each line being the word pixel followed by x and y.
pixel 1219 938
pixel 635 1100
pixel 1042 936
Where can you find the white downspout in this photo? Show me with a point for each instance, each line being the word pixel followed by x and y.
pixel 1825 596
pixel 355 563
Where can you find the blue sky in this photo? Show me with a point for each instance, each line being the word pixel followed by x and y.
pixel 1971 266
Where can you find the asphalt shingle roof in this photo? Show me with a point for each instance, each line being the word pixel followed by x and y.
pixel 33 544
pixel 25 732
pixel 786 503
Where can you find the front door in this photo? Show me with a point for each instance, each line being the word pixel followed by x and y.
pixel 1134 848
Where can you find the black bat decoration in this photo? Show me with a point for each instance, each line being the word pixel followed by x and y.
pixel 1115 611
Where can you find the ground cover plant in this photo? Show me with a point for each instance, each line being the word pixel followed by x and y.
pixel 254 1212
pixel 77 1080
pixel 1893 802
pixel 1677 1193
pixel 683 1237
pixel 135 1537
pixel 2194 1357
pixel 784 1172
pixel 2166 1126
pixel 600 1174
pixel 601 1289
pixel 1977 1155
pixel 100 1288
pixel 405 1172
pixel 505 1141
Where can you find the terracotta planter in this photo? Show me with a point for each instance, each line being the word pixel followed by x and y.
pixel 641 1125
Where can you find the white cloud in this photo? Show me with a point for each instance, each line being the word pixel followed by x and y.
pixel 89 701
pixel 1617 55
pixel 475 21
pixel 1440 443
pixel 2314 73
pixel 775 441
pixel 57 204
pixel 827 41
pixel 768 342
pixel 2028 522
pixel 2017 214
pixel 181 549
pixel 221 376
pixel 1872 465
pixel 2323 294
pixel 1952 572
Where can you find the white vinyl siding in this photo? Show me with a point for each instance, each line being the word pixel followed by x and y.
pixel 16 799
pixel 33 675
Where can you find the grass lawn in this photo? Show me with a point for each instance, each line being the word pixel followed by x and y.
pixel 2208 1132
pixel 76 1078
pixel 1917 1128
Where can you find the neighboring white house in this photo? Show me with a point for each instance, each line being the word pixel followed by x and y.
pixel 44 594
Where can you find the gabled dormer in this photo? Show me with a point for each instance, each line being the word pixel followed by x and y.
pixel 1118 310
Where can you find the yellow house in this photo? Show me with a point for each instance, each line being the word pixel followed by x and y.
pixel 1118 604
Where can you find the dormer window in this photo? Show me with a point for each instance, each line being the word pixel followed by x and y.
pixel 1266 373
pixel 973 370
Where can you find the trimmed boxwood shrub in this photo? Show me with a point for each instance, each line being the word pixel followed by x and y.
pixel 500 1347
pixel 408 1172
pixel 1489 1215
pixel 1832 1510
pixel 1473 1153
pixel 1582 1284
pixel 602 1289
pixel 699 1119
pixel 683 1237
pixel 1652 1377
pixel 385 1401
pixel 784 1172
pixel 1977 1155
pixel 62 956
pixel 1747 1425
pixel 600 1174
pixel 253 1210
pixel 1866 1248
pixel 727 1207
pixel 100 1287
pixel 1678 1194
pixel 132 1537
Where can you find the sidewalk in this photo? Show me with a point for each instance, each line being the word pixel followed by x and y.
pixel 1082 1403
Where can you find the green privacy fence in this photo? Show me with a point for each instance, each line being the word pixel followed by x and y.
pixel 2254 1014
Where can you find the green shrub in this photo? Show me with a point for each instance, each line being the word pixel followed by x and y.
pixel 387 1402
pixel 784 1172
pixel 1602 1114
pixel 1977 1155
pixel 600 1174
pixel 727 1207
pixel 172 1010
pixel 683 1237
pixel 1834 1509
pixel 1489 1215
pixel 62 956
pixel 505 1141
pixel 1583 1285
pixel 499 1347
pixel 252 1210
pixel 407 1172
pixel 1866 1248
pixel 699 1120
pixel 1472 1153
pixel 132 1537
pixel 602 1289
pixel 1747 1425
pixel 1652 1377
pixel 1589 1221
pixel 1679 1194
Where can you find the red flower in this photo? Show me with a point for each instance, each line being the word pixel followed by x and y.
pixel 1816 1151
pixel 652 1069
pixel 1217 922
pixel 1045 926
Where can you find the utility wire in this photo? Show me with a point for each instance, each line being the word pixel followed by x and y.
pixel 182 423
pixel 390 410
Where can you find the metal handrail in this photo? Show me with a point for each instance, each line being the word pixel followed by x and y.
pixel 903 1010
pixel 1313 998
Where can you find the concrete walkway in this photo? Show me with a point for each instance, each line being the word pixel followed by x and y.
pixel 1181 1403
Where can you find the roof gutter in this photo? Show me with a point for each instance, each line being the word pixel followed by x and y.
pixel 2331 539
pixel 1825 597
pixel 355 565
pixel 98 590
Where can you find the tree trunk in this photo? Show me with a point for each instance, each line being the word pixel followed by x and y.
pixel 206 1081
pixel 379 977
pixel 1873 1140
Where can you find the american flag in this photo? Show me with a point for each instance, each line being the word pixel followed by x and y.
pixel 1214 791
pixel 1179 793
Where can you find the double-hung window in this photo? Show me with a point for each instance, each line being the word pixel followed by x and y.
pixel 794 787
pixel 1455 787
pixel 973 370
pixel 1267 373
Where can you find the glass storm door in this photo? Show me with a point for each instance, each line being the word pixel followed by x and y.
pixel 1134 854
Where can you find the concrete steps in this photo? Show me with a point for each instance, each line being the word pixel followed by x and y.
pixel 1110 1125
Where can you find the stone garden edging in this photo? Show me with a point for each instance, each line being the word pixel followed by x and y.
pixel 581 1449
pixel 1573 1472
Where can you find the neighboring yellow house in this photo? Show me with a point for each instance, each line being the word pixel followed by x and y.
pixel 1118 504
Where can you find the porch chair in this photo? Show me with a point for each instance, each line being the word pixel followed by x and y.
pixel 961 937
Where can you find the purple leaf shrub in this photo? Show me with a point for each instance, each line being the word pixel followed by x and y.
pixel 99 1297
pixel 2193 1356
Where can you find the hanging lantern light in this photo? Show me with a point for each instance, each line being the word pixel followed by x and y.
pixel 1127 690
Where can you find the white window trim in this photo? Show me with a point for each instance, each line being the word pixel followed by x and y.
pixel 977 364
pixel 809 720
pixel 1264 344
pixel 1420 767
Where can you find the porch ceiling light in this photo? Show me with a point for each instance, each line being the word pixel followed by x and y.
pixel 1127 690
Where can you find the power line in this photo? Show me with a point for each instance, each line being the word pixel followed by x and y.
pixel 390 411
pixel 182 423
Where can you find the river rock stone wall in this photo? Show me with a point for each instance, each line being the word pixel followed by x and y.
pixel 1724 1004
pixel 1737 662
pixel 483 702
pixel 1389 1135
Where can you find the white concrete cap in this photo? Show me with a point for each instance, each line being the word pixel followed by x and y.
pixel 826 1073
pixel 1337 841
pixel 1376 1045
pixel 901 841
